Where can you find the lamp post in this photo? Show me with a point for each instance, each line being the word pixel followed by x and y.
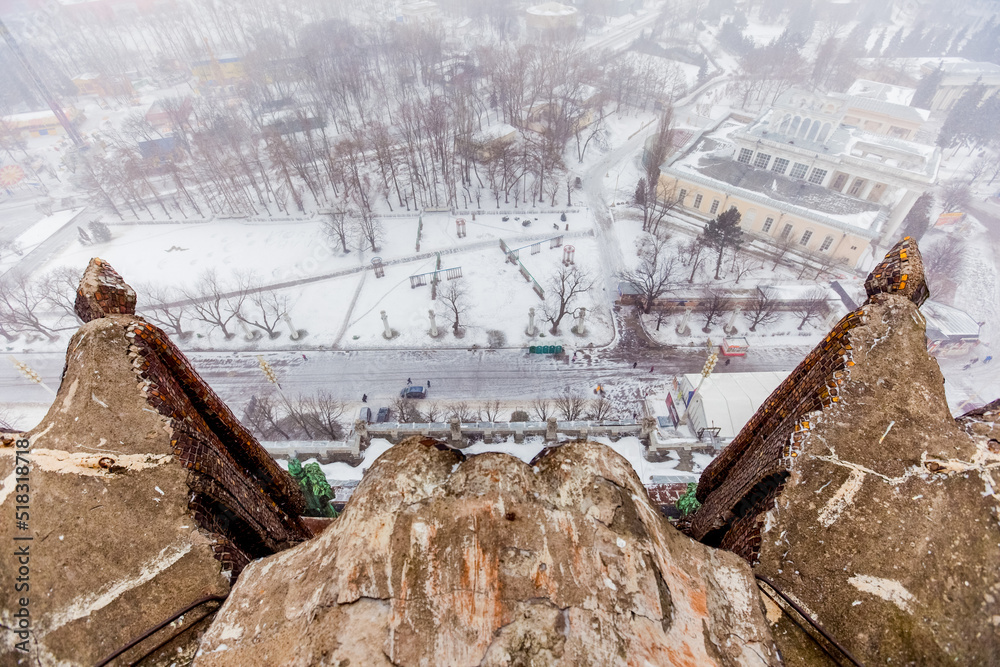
pixel 710 362
pixel 30 374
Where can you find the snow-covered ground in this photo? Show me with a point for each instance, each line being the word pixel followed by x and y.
pixel 630 448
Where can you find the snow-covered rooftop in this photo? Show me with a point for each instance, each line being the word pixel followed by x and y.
pixel 731 399
pixel 885 92
pixel 947 323
pixel 552 9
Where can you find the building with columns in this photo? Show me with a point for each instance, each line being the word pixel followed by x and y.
pixel 807 169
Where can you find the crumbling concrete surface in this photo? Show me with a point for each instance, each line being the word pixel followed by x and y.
pixel 114 549
pixel 139 494
pixel 887 528
pixel 442 560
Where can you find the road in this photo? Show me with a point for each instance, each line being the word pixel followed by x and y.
pixel 454 374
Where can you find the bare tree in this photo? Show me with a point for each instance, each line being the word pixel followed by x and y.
pixel 782 245
pixel 264 418
pixel 490 411
pixel 161 305
pixel 600 409
pixel 368 228
pixel 59 287
pixel 216 304
pixel 812 307
pixel 542 408
pixel 432 412
pixel 298 411
pixel 337 228
pixel 655 272
pixel 570 407
pixel 455 299
pixel 955 195
pixel 23 303
pixel 713 308
pixel 568 283
pixel 945 258
pixel 744 264
pixel 325 413
pixel 406 410
pixel 692 254
pixel 265 307
pixel 762 308
pixel 462 411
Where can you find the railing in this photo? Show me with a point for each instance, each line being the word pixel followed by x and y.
pixel 816 626
pixel 165 622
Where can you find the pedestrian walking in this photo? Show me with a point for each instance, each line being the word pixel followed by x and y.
pixel 727 362
pixel 304 358
pixel 364 398
pixel 428 384
pixel 409 381
pixel 650 369
pixel 988 359
pixel 634 364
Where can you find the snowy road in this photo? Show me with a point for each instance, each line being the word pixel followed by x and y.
pixel 454 375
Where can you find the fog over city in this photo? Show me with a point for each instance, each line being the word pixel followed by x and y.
pixel 504 223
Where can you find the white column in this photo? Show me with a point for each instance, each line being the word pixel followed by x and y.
pixel 682 326
pixel 730 328
pixel 434 328
pixel 532 330
pixel 288 320
pixel 247 334
pixel 896 217
pixel 580 329
pixel 385 322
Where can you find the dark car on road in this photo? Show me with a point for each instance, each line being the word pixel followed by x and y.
pixel 382 416
pixel 412 391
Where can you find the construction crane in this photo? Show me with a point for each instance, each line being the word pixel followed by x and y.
pixel 71 130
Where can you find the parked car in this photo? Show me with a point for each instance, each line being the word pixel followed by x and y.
pixel 366 415
pixel 505 218
pixel 412 391
pixel 382 416
pixel 526 223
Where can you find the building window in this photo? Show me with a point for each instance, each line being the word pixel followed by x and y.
pixel 697 201
pixel 854 247
pixel 683 195
pixel 805 237
pixel 780 165
pixel 827 242
pixel 838 183
pixel 762 160
pixel 785 232
pixel 798 170
pixel 856 187
pixel 745 155
pixel 817 176
pixel 715 206
pixel 767 225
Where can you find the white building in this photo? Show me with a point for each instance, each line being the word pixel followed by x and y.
pixel 833 172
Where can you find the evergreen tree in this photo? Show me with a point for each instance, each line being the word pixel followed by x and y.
pixel 99 231
pixel 962 117
pixel 721 233
pixel 927 88
pixel 876 49
pixel 688 504
pixel 918 220
pixel 892 49
pixel 913 44
pixel 985 126
pixel 84 236
pixel 956 43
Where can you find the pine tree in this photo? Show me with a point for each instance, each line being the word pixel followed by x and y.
pixel 918 219
pixel 892 49
pixel 876 49
pixel 688 504
pixel 927 88
pixel 721 233
pixel 914 42
pixel 84 236
pixel 961 118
